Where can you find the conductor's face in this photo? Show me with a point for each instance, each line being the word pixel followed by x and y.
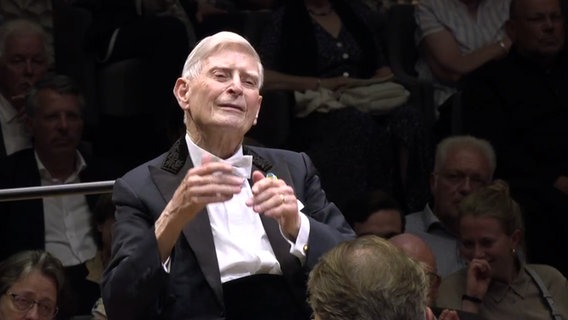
pixel 225 95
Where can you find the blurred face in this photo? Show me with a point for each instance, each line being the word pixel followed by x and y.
pixel 484 238
pixel 383 223
pixel 35 287
pixel 225 96
pixel 538 27
pixel 464 171
pixel 57 125
pixel 24 63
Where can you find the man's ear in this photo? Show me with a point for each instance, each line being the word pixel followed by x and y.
pixel 257 111
pixel 181 92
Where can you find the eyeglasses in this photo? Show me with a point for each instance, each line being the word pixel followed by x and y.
pixel 45 309
pixel 459 178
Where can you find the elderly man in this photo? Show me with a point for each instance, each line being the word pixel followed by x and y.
pixel 196 235
pixel 520 105
pixel 462 165
pixel 23 61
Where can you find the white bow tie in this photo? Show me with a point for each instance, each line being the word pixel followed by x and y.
pixel 242 165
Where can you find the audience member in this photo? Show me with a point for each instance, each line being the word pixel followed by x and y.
pixel 462 165
pixel 321 49
pixel 103 220
pixel 375 213
pixel 31 286
pixel 40 12
pixel 369 279
pixel 456 37
pixel 519 104
pixel 419 250
pixel 23 61
pixel 191 227
pixel 60 225
pixel 497 283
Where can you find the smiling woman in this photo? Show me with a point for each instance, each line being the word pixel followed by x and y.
pixel 498 284
pixel 30 286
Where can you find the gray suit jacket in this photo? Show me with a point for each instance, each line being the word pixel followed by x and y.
pixel 135 285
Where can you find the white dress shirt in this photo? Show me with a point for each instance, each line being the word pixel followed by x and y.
pixel 241 243
pixel 68 226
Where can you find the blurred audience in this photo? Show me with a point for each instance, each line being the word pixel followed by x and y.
pixel 456 37
pixel 368 278
pixel 375 213
pixel 40 12
pixel 321 50
pixel 462 165
pixel 519 105
pixel 60 225
pixel 153 34
pixel 23 61
pixel 31 286
pixel 497 283
pixel 103 220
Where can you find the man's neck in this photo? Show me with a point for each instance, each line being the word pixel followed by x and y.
pixel 220 145
pixel 543 62
pixel 60 167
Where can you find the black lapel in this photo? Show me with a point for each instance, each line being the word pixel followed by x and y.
pixel 198 232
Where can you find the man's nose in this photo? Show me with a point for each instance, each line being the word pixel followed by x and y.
pixel 63 122
pixel 29 68
pixel 466 186
pixel 236 86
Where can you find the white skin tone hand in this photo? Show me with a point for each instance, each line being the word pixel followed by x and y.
pixel 275 199
pixel 478 279
pixel 208 183
pixel 448 314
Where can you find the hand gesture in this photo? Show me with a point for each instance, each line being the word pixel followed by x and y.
pixel 274 198
pixel 212 181
pixel 478 278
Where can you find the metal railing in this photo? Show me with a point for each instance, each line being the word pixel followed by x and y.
pixel 27 193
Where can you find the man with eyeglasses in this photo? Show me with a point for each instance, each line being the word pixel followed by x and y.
pixel 520 104
pixel 462 164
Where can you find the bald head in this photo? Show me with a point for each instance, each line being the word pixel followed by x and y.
pixel 415 248
pixel 419 250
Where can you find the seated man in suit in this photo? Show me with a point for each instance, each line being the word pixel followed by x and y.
pixel 196 235
pixel 462 165
pixel 59 225
pixel 520 105
pixel 24 60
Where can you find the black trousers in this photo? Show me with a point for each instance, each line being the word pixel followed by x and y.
pixel 263 297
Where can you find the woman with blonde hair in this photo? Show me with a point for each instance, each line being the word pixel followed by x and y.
pixel 497 283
